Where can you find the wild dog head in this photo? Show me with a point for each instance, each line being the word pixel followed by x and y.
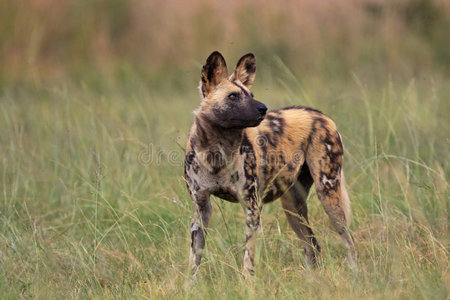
pixel 227 101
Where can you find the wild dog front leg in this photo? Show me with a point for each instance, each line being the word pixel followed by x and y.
pixel 200 220
pixel 252 221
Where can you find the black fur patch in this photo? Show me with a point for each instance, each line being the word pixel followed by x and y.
pixel 318 123
pixel 246 146
pixel 305 177
pixel 189 162
pixel 189 159
pixel 249 166
pixel 212 63
pixel 275 191
pixel 302 108
pixel 195 185
pixel 225 194
pixel 216 161
pixel 249 66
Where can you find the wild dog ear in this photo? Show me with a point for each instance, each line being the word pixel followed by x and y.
pixel 245 70
pixel 213 72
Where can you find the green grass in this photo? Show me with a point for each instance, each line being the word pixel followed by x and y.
pixel 85 213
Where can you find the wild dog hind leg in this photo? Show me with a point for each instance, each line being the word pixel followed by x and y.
pixel 325 163
pixel 296 210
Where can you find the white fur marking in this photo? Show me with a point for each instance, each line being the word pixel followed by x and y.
pixel 331 181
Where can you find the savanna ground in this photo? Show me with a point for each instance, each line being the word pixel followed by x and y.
pixel 95 105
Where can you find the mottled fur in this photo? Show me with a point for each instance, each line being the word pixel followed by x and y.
pixel 240 153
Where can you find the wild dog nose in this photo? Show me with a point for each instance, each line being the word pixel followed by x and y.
pixel 261 108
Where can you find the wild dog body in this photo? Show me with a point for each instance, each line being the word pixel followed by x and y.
pixel 242 154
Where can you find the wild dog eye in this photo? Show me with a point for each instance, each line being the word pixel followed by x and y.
pixel 233 96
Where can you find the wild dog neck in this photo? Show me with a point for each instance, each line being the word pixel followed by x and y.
pixel 217 140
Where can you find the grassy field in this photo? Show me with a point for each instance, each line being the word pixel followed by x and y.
pixel 93 202
pixel 96 100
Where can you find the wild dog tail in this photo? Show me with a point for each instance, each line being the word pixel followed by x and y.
pixel 345 200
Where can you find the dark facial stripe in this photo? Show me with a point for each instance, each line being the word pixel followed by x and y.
pixel 243 90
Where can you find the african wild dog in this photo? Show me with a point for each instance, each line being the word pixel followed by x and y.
pixel 238 151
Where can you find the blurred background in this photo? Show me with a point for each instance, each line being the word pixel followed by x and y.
pixel 158 39
pixel 95 106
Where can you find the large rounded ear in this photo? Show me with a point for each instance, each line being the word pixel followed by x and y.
pixel 213 72
pixel 245 70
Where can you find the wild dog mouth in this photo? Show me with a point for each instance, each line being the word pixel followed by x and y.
pixel 247 123
pixel 238 121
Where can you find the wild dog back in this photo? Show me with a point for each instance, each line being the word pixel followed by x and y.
pixel 282 142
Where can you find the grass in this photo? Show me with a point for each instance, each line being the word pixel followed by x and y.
pixel 93 204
